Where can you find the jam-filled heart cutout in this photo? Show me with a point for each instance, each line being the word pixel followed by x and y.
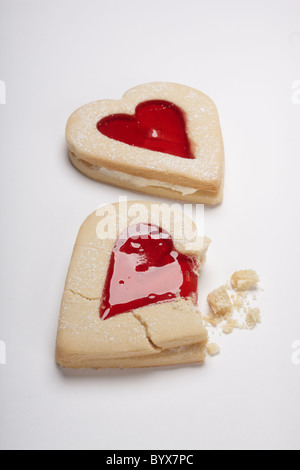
pixel 145 268
pixel 157 125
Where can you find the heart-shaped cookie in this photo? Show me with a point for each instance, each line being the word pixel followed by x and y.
pixel 160 138
pixel 137 333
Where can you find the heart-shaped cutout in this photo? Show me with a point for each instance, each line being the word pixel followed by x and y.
pixel 157 125
pixel 145 268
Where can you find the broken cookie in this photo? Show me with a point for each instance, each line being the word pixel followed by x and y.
pixel 130 298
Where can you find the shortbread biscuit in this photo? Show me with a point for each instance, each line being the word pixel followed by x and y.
pixel 166 333
pixel 198 178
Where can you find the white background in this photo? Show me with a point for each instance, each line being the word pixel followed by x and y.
pixel 56 56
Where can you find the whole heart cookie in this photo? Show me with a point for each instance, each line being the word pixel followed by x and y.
pixel 133 332
pixel 160 138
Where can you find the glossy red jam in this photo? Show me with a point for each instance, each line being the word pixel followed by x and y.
pixel 144 269
pixel 157 125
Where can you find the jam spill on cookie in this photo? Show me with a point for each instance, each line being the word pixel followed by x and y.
pixel 157 125
pixel 145 268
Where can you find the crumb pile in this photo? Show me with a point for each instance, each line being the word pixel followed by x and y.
pixel 230 306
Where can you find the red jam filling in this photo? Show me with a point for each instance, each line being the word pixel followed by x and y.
pixel 157 125
pixel 145 268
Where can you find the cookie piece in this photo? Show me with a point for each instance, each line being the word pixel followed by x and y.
pixel 160 138
pixel 253 317
pixel 213 349
pixel 219 302
pixel 152 333
pixel 244 280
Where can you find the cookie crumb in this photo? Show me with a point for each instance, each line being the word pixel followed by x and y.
pixel 253 317
pixel 229 326
pixel 231 307
pixel 219 302
pixel 213 349
pixel 238 300
pixel 244 280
